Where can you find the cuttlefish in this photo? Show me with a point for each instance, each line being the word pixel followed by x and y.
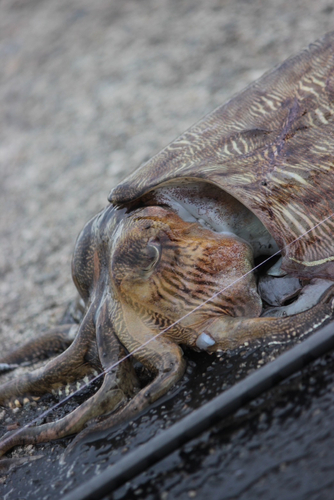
pixel 169 262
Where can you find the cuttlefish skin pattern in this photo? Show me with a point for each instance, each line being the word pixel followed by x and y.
pixel 141 270
pixel 271 147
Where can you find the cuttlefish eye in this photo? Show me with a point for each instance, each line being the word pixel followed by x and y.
pixel 137 249
pixel 152 253
pixel 145 247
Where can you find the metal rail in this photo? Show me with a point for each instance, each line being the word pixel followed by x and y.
pixel 201 419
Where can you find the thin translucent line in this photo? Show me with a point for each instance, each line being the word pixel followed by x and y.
pixel 67 398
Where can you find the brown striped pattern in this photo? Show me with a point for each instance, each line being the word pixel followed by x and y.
pixel 272 147
pixel 194 265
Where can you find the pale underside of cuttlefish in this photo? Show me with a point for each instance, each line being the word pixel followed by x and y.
pixel 169 262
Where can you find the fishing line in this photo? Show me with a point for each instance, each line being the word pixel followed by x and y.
pixel 67 398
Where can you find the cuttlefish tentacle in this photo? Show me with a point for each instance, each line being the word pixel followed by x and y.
pixel 118 384
pixel 69 366
pixel 55 340
pixel 160 356
pixel 164 357
pixel 139 282
pixel 229 333
pixel 149 286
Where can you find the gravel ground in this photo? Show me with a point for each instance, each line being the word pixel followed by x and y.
pixel 88 91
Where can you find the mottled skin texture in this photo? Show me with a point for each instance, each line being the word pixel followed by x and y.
pixel 272 148
pixel 140 269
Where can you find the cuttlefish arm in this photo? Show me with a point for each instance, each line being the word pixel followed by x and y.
pixel 229 333
pixel 164 357
pixel 161 356
pixel 95 347
pixel 119 383
pixel 152 282
pixel 69 366
pixel 56 340
pixel 163 282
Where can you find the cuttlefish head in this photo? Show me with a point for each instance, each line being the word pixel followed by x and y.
pixel 168 266
pixel 162 268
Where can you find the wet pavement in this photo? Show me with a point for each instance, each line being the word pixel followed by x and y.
pixel 280 445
